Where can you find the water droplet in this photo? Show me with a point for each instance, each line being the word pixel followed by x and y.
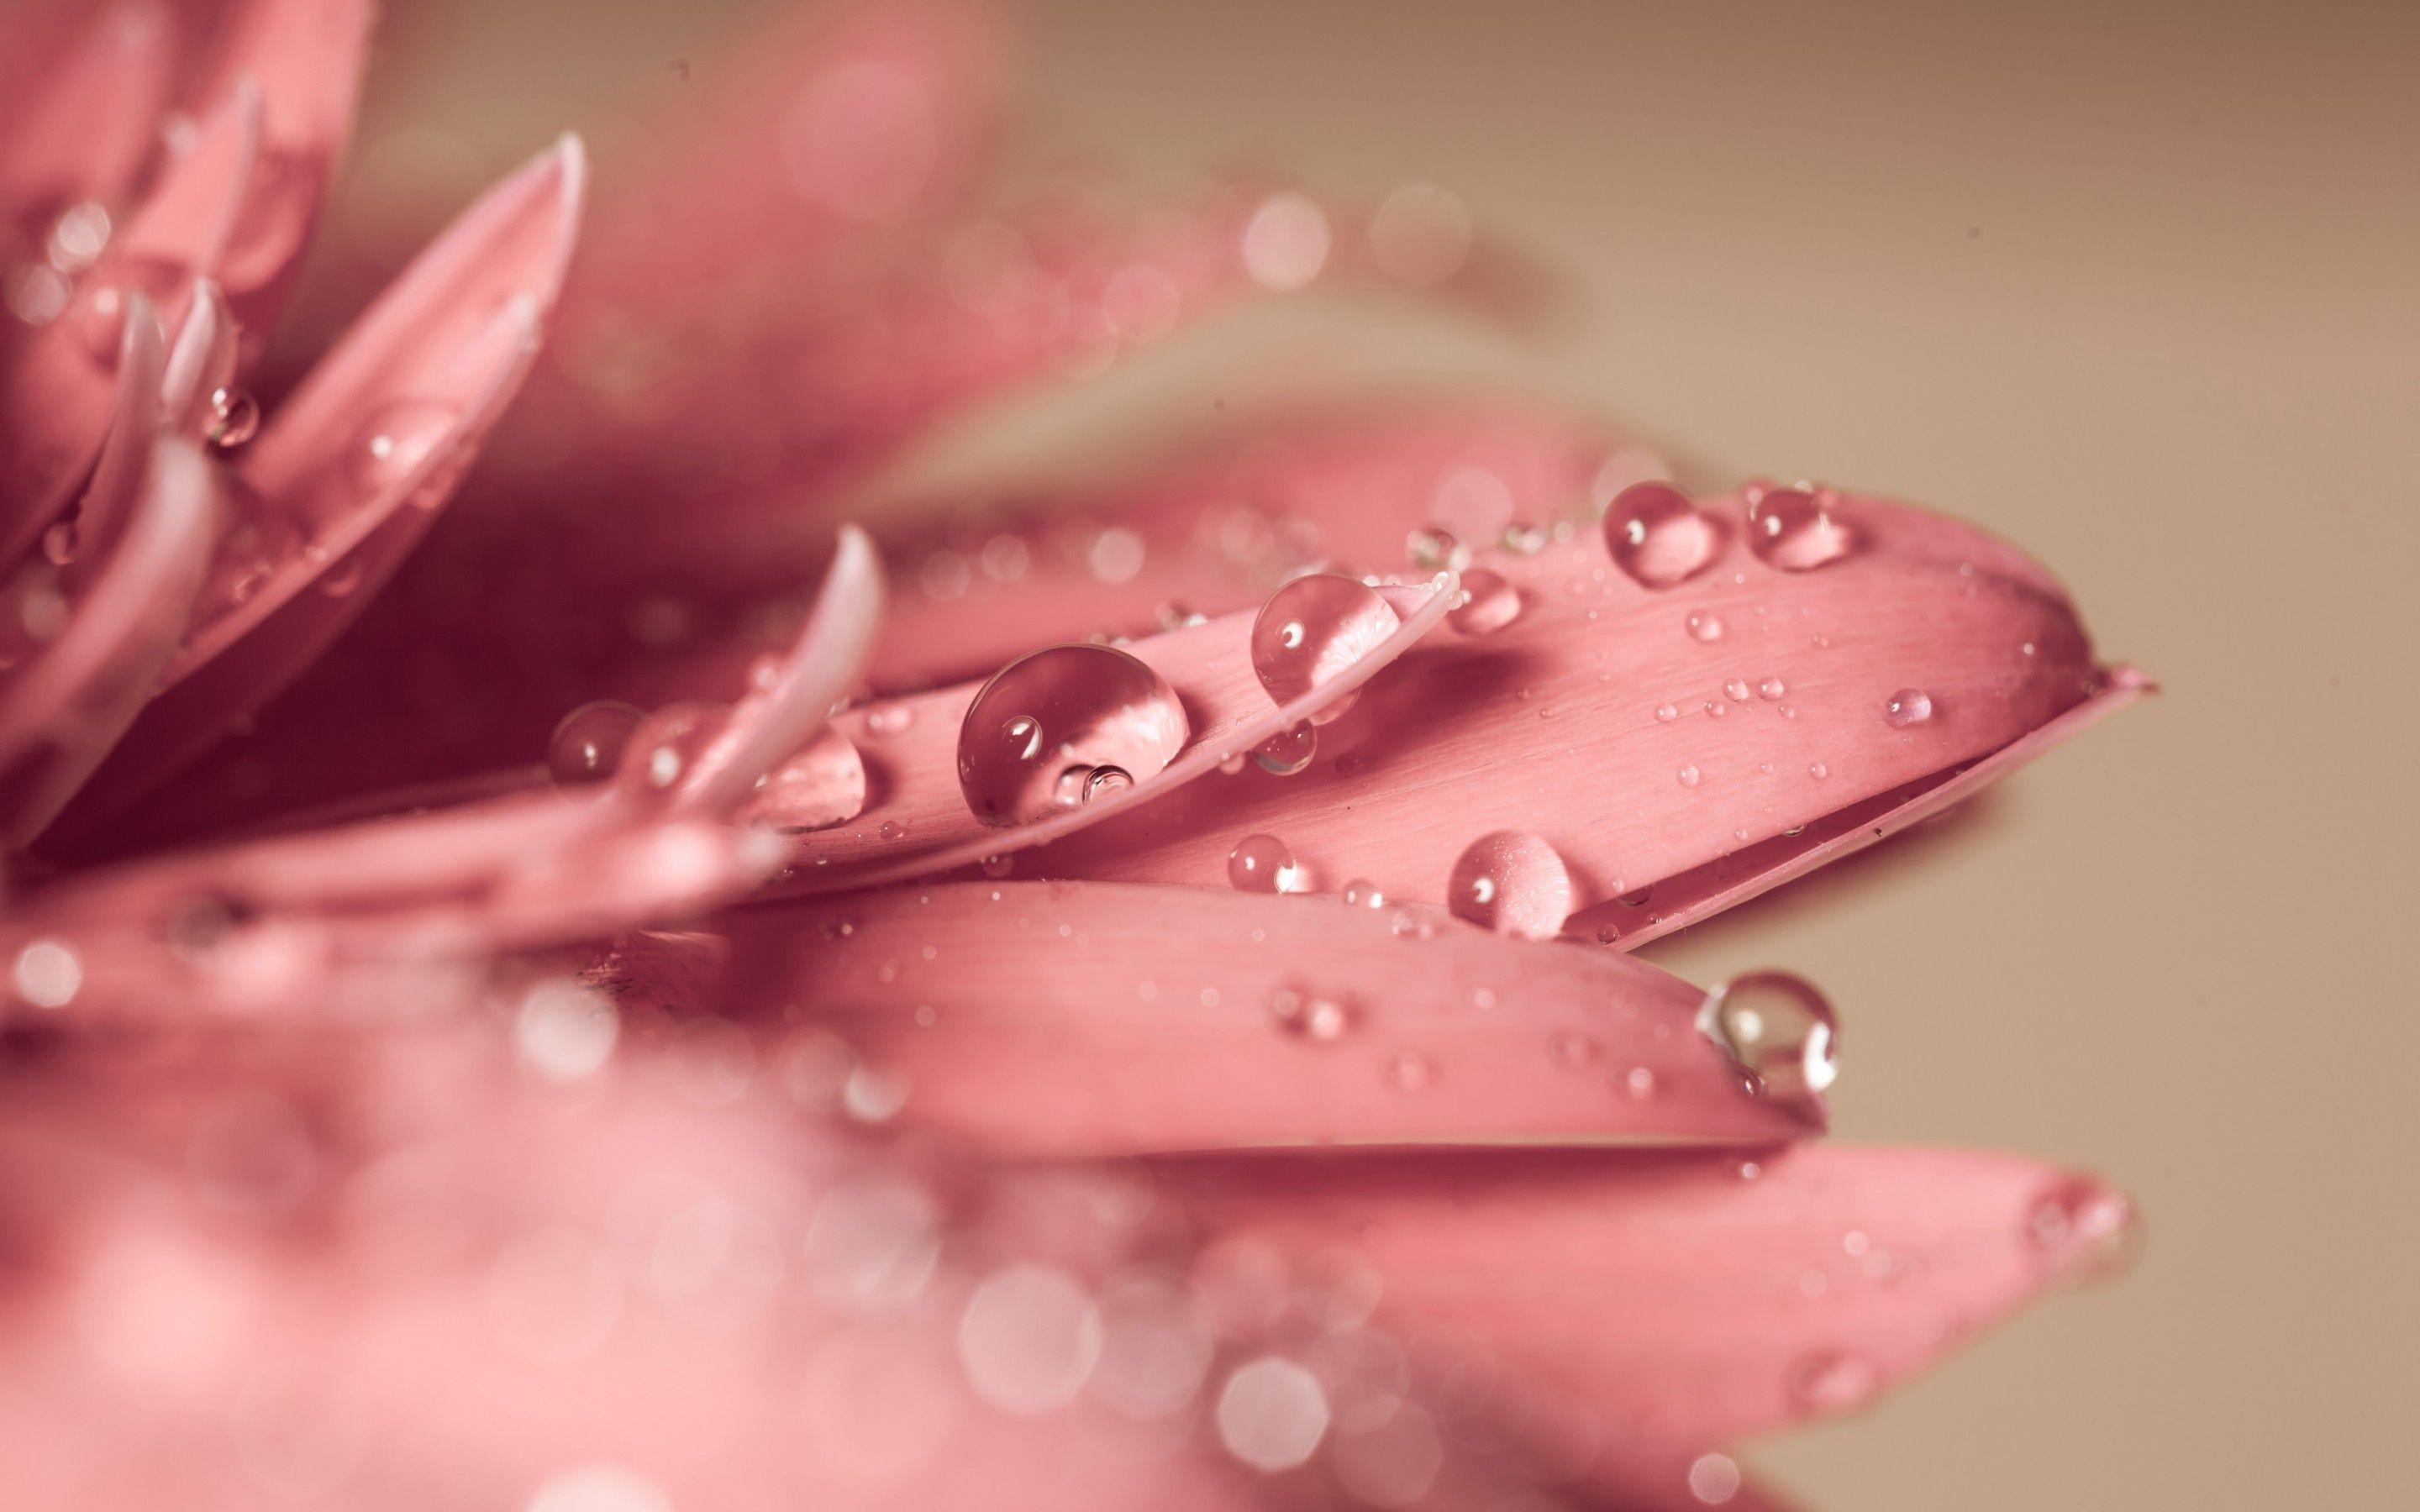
pixel 820 786
pixel 1639 1082
pixel 1261 863
pixel 1778 1027
pixel 1363 893
pixel 891 829
pixel 1794 530
pixel 235 418
pixel 1512 882
pixel 399 439
pixel 1827 1382
pixel 1408 1070
pixel 1063 726
pixel 2087 1230
pixel 1771 689
pixel 1311 1015
pixel 666 744
pixel 1909 705
pixel 1656 535
pixel 587 746
pixel 59 543
pixel 1736 690
pixel 1487 604
pixel 1665 714
pixel 1288 751
pixel 1702 627
pixel 1687 775
pixel 1432 549
pixel 1818 771
pixel 1717 709
pixel 1314 629
pixel 889 718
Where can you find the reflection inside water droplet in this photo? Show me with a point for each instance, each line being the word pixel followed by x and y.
pixel 1778 1027
pixel 587 745
pixel 1063 727
pixel 1513 883
pixel 1657 536
pixel 1313 629
pixel 1794 530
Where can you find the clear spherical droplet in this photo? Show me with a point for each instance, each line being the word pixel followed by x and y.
pixel 587 746
pixel 1062 727
pixel 1702 627
pixel 235 418
pixel 1314 629
pixel 1261 863
pixel 1778 1027
pixel 1796 531
pixel 1512 882
pixel 1363 893
pixel 1288 751
pixel 1908 706
pixel 1655 535
pixel 1488 603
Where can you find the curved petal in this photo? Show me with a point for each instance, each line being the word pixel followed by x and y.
pixel 1797 1284
pixel 920 823
pixel 200 363
pixel 1086 1019
pixel 356 463
pixel 1674 727
pixel 55 388
pixel 63 713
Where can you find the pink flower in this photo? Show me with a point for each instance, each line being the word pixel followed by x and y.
pixel 955 1100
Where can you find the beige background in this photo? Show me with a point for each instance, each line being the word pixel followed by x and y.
pixel 2136 284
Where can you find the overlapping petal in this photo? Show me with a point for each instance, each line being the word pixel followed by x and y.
pixel 1085 1019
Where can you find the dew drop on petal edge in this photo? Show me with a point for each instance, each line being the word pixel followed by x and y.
pixel 1313 629
pixel 1657 536
pixel 587 745
pixel 1513 883
pixel 1288 751
pixel 1796 531
pixel 1064 726
pixel 1778 1027
pixel 1261 863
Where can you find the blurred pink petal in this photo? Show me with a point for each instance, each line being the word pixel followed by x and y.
pixel 1085 1019
pixel 1791 1284
pixel 86 87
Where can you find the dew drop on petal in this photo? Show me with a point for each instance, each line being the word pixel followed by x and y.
pixel 1908 706
pixel 820 786
pixel 1794 530
pixel 1488 605
pixel 1513 883
pixel 1665 714
pixel 1736 690
pixel 1314 629
pixel 1657 536
pixel 1288 751
pixel 666 745
pixel 1063 726
pixel 1778 1027
pixel 1702 627
pixel 397 440
pixel 1261 863
pixel 1771 689
pixel 1362 893
pixel 235 418
pixel 587 746
pixel 1639 1082
pixel 1687 775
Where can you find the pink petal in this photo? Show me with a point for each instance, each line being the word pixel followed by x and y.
pixel 201 362
pixel 1686 1299
pixel 358 461
pixel 57 387
pixel 60 715
pixel 1085 1019
pixel 921 823
pixel 305 57
pixel 1601 694
pixel 84 108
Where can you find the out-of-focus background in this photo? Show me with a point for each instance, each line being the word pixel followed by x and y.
pixel 2136 284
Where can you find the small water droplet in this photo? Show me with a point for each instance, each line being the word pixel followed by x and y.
pixel 1064 726
pixel 1794 530
pixel 891 829
pixel 997 867
pixel 1687 775
pixel 1827 1382
pixel 1778 1029
pixel 1702 627
pixel 1288 751
pixel 587 745
pixel 1408 1070
pixel 235 418
pixel 1431 549
pixel 1487 603
pixel 889 718
pixel 1512 882
pixel 1736 690
pixel 1313 629
pixel 399 439
pixel 1771 689
pixel 1639 1082
pixel 1261 863
pixel 1818 771
pixel 1655 535
pixel 1908 706
pixel 1665 714
pixel 1363 893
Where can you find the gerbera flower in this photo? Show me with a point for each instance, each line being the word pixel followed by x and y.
pixel 1146 1020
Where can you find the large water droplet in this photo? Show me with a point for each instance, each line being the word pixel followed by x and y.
pixel 821 785
pixel 397 440
pixel 1261 863
pixel 1314 629
pixel 235 418
pixel 1513 883
pixel 1488 603
pixel 1656 535
pixel 1778 1027
pixel 1063 726
pixel 1909 705
pixel 1794 530
pixel 587 746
